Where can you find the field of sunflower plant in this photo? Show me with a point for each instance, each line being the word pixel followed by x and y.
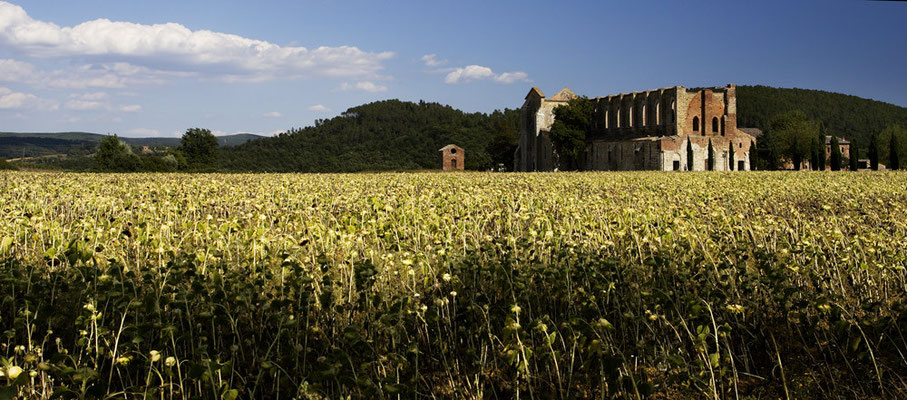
pixel 476 285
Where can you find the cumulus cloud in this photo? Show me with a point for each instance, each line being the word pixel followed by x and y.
pixel 96 101
pixel 272 114
pixel 142 132
pixel 364 86
pixel 107 76
pixel 10 100
pixel 174 47
pixel 319 108
pixel 477 72
pixel 431 60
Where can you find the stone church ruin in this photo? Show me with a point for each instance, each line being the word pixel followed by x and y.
pixel 650 130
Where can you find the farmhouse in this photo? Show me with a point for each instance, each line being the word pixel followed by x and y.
pixel 664 129
pixel 452 158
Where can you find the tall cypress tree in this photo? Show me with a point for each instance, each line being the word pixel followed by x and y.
pixel 894 159
pixel 752 158
pixel 689 154
pixel 711 156
pixel 874 152
pixel 854 155
pixel 835 154
pixel 730 156
pixel 820 157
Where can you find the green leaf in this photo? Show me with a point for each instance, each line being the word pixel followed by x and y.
pixel 714 358
pixel 5 243
pixel 231 394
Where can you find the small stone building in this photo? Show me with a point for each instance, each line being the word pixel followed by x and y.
pixel 452 158
pixel 649 130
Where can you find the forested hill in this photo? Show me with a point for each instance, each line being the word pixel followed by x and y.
pixel 385 135
pixel 843 115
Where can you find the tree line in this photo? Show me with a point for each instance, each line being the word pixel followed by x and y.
pixel 198 152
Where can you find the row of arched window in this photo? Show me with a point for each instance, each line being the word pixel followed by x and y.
pixel 715 127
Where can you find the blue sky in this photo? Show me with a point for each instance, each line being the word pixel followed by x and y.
pixel 157 68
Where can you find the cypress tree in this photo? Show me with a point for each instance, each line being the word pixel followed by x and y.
pixel 730 156
pixel 894 158
pixel 854 156
pixel 752 150
pixel 711 156
pixel 874 152
pixel 821 153
pixel 689 154
pixel 835 154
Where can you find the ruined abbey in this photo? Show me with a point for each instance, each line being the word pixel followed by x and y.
pixel 650 130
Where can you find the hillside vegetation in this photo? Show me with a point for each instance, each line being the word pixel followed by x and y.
pixel 384 135
pixel 852 117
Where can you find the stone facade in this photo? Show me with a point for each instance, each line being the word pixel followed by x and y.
pixel 452 158
pixel 648 130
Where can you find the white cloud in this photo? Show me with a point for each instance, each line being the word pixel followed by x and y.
pixel 431 60
pixel 82 105
pixel 511 77
pixel 173 47
pixel 107 76
pixel 14 100
pixel 477 72
pixel 319 108
pixel 272 114
pixel 365 86
pixel 96 101
pixel 142 132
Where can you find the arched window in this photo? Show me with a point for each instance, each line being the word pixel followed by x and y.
pixel 695 124
pixel 714 124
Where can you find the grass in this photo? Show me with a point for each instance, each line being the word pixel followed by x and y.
pixel 593 285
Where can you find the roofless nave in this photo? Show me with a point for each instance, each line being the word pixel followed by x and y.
pixel 650 130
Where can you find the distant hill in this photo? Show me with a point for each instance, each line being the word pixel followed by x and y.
pixel 384 135
pixel 843 115
pixel 14 145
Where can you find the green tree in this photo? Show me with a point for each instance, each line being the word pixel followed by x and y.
pixel 836 157
pixel 795 135
pixel 820 154
pixel 200 148
pixel 6 165
pixel 114 155
pixel 572 122
pixel 730 156
pixel 854 156
pixel 711 159
pixel 874 152
pixel 503 144
pixel 894 159
pixel 752 155
pixel 690 154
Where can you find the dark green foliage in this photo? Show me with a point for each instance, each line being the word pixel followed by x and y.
pixel 572 123
pixel 820 159
pixel 731 156
pixel 793 134
pixel 711 159
pixel 894 159
pixel 114 155
pixel 836 157
pixel 690 154
pixel 874 152
pixel 843 115
pixel 385 135
pixel 854 160
pixel 200 148
pixel 6 166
